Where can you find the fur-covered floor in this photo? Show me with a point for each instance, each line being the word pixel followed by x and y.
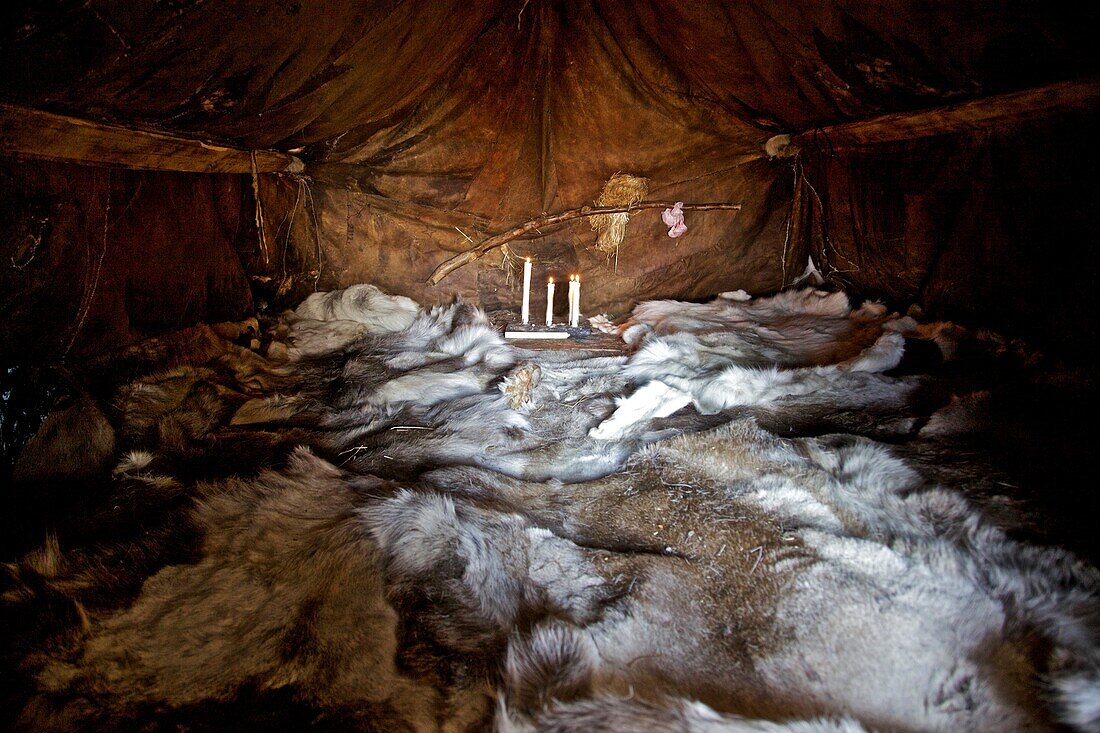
pixel 772 514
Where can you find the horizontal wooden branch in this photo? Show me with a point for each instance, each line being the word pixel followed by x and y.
pixel 39 134
pixel 976 114
pixel 481 248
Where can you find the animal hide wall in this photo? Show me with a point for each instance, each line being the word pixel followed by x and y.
pixel 774 514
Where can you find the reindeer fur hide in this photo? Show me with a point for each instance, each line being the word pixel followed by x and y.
pixel 749 524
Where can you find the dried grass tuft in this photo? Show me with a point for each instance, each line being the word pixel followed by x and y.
pixel 622 189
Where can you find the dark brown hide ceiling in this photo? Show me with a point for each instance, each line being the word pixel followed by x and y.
pixel 466 118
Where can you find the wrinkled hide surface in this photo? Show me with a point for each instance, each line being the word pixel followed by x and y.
pixel 422 527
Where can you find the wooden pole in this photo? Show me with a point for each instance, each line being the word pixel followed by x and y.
pixel 998 110
pixel 480 249
pixel 39 134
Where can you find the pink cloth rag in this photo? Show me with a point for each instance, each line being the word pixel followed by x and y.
pixel 674 218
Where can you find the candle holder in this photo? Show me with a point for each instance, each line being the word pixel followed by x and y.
pixel 556 331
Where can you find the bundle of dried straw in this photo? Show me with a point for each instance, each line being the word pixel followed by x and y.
pixel 622 189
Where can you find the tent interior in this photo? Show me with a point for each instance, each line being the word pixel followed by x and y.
pixel 284 446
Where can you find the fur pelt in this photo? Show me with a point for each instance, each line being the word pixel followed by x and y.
pixel 395 404
pixel 51 455
pixel 812 578
pixel 416 528
pixel 363 303
pixel 679 370
pixel 791 328
pixel 326 321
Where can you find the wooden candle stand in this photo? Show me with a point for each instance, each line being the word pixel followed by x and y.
pixel 557 331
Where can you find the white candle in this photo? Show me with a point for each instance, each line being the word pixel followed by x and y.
pixel 550 302
pixel 569 300
pixel 526 315
pixel 577 302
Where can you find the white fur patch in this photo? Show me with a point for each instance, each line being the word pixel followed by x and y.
pixel 363 303
pixel 653 400
pixel 1077 698
pixel 426 388
pixel 133 462
pixel 881 356
pixel 327 321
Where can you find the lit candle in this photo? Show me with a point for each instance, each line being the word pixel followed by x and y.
pixel 526 315
pixel 550 302
pixel 577 301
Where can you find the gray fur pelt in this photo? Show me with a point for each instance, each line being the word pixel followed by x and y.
pixel 425 528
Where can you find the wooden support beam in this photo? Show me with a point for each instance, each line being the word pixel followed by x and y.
pixel 39 134
pixel 977 114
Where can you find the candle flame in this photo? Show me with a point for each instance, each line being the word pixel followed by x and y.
pixel 528 259
pixel 550 280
